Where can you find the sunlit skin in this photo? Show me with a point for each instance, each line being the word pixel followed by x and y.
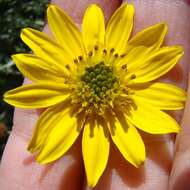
pixel 118 179
pixel 97 82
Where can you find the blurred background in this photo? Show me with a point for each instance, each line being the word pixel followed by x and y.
pixel 14 15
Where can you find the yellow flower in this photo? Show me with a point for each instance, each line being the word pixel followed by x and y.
pixel 97 82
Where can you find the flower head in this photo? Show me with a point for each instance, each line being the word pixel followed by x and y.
pixel 98 82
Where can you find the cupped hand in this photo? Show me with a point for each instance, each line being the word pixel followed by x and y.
pixel 19 170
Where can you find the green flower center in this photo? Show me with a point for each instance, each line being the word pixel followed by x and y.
pixel 99 79
pixel 97 88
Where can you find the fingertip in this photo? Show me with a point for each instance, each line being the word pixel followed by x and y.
pixel 77 8
pixel 179 178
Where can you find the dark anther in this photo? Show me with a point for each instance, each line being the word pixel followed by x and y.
pixel 125 90
pixel 133 76
pixel 96 47
pixel 75 61
pixel 124 66
pixel 67 66
pixel 116 55
pixel 80 58
pixel 90 53
pixel 112 50
pixel 66 80
pixel 105 51
pixel 123 55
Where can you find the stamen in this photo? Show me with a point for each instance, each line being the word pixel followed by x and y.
pixel 116 55
pixel 123 55
pixel 124 67
pixel 96 47
pixel 90 53
pixel 105 51
pixel 67 66
pixel 80 58
pixel 125 90
pixel 133 76
pixel 75 61
pixel 66 80
pixel 112 50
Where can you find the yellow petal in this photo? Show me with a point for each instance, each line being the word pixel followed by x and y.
pixel 128 141
pixel 151 37
pixel 47 49
pixel 142 44
pixel 36 69
pixel 162 96
pixel 119 28
pixel 66 129
pixel 152 120
pixel 37 95
pixel 95 149
pixel 46 122
pixel 65 31
pixel 158 64
pixel 93 27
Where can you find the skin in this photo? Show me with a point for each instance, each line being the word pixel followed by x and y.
pixel 168 163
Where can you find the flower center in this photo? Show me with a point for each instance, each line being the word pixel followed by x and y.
pixel 98 86
pixel 100 79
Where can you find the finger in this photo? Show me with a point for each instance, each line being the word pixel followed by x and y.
pixel 120 175
pixel 155 172
pixel 18 168
pixel 80 6
pixel 179 178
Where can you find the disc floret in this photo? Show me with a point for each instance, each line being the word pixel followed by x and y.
pixel 99 85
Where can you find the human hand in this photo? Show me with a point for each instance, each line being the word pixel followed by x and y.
pixel 19 169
